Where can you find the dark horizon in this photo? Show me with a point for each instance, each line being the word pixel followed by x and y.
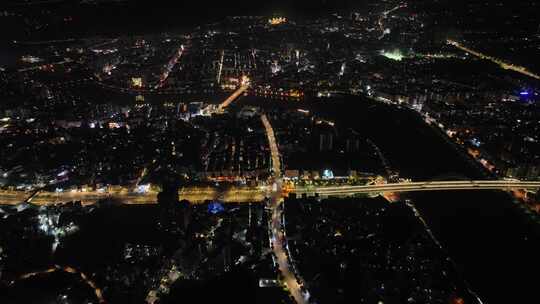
pixel 138 17
pixel 110 17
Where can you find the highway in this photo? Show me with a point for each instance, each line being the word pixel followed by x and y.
pixel 420 186
pixel 502 64
pixel 278 237
pixel 220 68
pixel 195 195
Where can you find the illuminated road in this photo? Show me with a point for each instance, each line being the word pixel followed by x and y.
pixel 68 269
pixel 384 15
pixel 420 186
pixel 243 87
pixel 278 237
pixel 169 67
pixel 233 97
pixel 502 64
pixel 274 151
pixel 220 68
pixel 195 195
pixel 45 66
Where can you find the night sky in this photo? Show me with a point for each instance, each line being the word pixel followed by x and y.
pixel 116 17
pixel 137 16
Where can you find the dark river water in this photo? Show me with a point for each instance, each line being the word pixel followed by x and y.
pixel 492 241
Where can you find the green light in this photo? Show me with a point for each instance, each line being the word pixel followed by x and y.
pixel 394 55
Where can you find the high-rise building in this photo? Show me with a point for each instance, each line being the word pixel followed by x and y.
pixel 326 141
pixel 352 141
pixel 324 137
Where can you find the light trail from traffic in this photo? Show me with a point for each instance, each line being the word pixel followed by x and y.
pixel 502 64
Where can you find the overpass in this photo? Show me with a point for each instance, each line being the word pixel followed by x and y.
pixel 420 186
pixel 198 195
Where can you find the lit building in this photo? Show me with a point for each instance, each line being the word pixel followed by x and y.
pixel 277 20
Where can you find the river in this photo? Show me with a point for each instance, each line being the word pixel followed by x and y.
pixel 492 241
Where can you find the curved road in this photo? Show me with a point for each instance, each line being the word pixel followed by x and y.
pixel 86 279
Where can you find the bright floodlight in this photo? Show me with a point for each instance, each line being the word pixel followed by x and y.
pixel 245 80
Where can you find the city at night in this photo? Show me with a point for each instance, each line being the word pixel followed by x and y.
pixel 278 152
